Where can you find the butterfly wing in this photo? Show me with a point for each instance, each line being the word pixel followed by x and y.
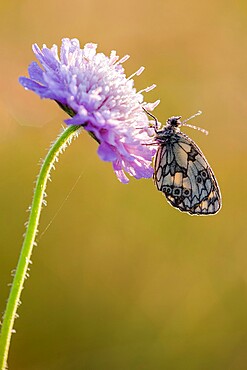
pixel 183 174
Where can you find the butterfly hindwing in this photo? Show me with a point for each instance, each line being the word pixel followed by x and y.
pixel 184 176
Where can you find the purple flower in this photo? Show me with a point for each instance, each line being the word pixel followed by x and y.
pixel 94 90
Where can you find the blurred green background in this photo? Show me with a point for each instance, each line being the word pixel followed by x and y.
pixel 121 280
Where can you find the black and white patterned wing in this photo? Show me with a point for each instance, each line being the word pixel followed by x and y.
pixel 183 174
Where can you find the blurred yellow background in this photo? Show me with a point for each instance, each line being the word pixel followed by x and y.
pixel 121 280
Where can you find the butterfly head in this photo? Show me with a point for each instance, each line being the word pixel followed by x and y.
pixel 174 122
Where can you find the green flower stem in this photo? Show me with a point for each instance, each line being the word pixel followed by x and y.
pixel 29 241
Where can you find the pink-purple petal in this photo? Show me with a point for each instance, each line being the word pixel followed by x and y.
pixel 107 152
pixel 36 73
pixel 120 173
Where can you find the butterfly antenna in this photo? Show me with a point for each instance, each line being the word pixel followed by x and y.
pixel 156 125
pixel 194 127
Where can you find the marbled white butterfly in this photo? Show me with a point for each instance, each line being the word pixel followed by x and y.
pixel 182 172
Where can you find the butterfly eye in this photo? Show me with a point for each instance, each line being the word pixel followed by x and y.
pixel 177 192
pixel 198 179
pixel 186 192
pixel 167 190
pixel 204 174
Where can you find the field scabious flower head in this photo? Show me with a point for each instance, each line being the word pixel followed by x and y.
pixel 94 90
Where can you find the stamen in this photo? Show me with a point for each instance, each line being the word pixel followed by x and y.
pixel 114 60
pixel 147 89
pixel 123 59
pixel 151 106
pixel 137 73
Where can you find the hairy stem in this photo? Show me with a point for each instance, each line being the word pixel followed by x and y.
pixel 29 241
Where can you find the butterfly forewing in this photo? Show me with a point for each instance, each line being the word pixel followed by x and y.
pixel 183 174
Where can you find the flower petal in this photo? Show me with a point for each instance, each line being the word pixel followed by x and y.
pixel 107 152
